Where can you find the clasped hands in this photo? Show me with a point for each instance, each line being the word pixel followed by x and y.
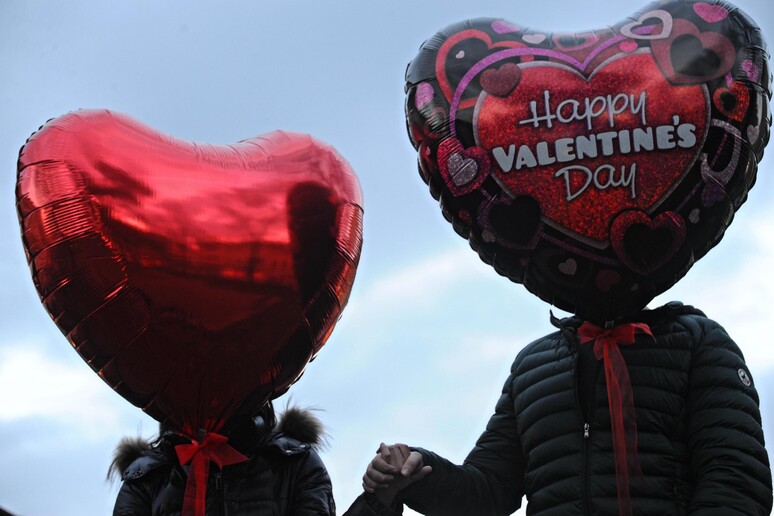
pixel 392 469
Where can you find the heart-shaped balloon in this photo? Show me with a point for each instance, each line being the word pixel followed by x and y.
pixel 594 168
pixel 197 280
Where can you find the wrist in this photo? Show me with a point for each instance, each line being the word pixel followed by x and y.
pixel 386 496
pixel 384 505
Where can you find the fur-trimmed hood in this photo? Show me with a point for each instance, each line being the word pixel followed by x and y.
pixel 296 430
pixel 302 425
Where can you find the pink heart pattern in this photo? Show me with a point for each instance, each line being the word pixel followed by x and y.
pixel 711 13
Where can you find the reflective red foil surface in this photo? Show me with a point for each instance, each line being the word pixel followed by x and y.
pixel 197 280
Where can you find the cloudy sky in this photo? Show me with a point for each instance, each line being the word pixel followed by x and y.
pixel 425 344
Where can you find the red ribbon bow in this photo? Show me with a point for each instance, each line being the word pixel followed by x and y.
pixel 214 448
pixel 623 419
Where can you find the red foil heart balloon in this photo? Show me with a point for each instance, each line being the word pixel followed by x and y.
pixel 197 280
pixel 593 168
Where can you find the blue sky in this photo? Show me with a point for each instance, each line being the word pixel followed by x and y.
pixel 426 342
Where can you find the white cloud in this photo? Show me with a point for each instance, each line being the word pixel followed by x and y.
pixel 422 284
pixel 62 392
pixel 484 351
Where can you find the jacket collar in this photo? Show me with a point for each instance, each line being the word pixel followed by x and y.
pixel 297 431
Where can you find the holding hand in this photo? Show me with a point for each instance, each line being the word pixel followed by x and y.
pixel 393 468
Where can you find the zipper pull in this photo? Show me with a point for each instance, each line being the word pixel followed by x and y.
pixel 586 428
pixel 218 481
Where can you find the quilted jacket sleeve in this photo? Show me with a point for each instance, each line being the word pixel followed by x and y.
pixel 729 462
pixel 489 482
pixel 135 498
pixel 368 505
pixel 312 491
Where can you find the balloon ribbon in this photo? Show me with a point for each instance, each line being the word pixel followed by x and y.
pixel 623 419
pixel 214 448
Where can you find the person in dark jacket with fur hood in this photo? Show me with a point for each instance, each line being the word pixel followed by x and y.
pixel 283 476
pixel 698 445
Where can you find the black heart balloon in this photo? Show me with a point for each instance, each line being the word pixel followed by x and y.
pixel 593 168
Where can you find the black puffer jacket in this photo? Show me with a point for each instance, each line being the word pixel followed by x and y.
pixel 284 476
pixel 701 444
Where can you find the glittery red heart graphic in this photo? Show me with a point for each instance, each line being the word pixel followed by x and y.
pixel 587 149
pixel 501 81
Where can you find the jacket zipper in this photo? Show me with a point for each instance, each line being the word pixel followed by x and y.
pixel 587 418
pixel 220 498
pixel 586 467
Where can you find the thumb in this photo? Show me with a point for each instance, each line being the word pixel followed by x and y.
pixel 422 473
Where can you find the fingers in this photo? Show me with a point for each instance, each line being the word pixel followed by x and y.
pixel 394 466
pixel 375 479
pixel 403 451
pixel 394 454
pixel 422 473
pixel 412 465
pixel 384 451
pixel 399 454
pixel 382 469
pixel 380 466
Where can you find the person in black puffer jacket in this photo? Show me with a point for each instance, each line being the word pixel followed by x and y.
pixel 700 439
pixel 283 476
